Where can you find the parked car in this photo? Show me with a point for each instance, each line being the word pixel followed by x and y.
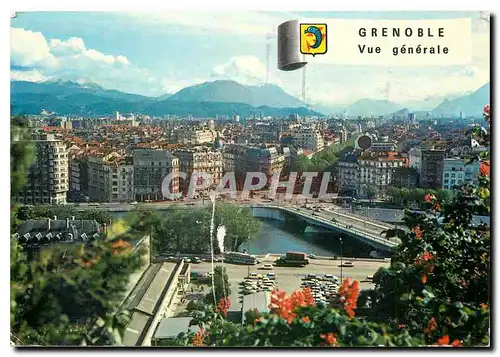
pixel 267 267
pixel 369 277
pixel 311 276
pixel 196 260
pixel 254 276
pixel 347 264
pixel 312 256
pixel 271 276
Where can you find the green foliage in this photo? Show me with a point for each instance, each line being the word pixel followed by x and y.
pixel 453 283
pixel 221 284
pixel 371 192
pixel 251 316
pixel 273 331
pixel 322 160
pixel 188 231
pixel 402 196
pixel 62 212
pixel 22 154
pixel 69 295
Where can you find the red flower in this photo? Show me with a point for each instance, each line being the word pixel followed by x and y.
pixel 423 278
pixel 418 232
pixel 431 326
pixel 437 207
pixel 330 339
pixel 456 343
pixel 484 306
pixel 425 257
pixel 445 340
pixel 401 326
pixel 223 306
pixel 199 338
pixel 284 305
pixel 486 110
pixel 484 168
pixel 349 296
pixel 306 319
pixel 429 197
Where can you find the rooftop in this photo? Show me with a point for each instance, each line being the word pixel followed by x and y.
pixel 172 327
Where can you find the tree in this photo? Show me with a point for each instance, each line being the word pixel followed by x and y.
pixel 404 195
pixel 445 196
pixel 221 284
pixel 179 230
pixel 62 212
pixel 300 163
pixel 371 193
pixel 239 223
pixel 393 194
pixel 22 154
pixel 417 195
pixel 62 296
pixel 68 294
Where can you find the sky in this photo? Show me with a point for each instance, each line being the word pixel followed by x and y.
pixel 158 53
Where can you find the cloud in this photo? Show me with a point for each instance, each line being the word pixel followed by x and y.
pixel 29 76
pixel 228 23
pixel 71 46
pixel 29 48
pixel 243 69
pixel 34 58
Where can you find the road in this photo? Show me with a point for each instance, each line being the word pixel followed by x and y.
pixel 289 278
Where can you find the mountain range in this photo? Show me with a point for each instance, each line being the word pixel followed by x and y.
pixel 231 91
pixel 209 99
pixel 470 105
pixel 205 100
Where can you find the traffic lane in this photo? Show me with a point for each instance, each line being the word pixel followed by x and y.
pixel 290 278
pixel 346 221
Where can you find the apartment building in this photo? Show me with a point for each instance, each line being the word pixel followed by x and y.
pixel 150 168
pixel 376 171
pixel 431 171
pixel 110 178
pixel 195 136
pixel 244 158
pixel 415 159
pixel 308 138
pixel 78 177
pixel 47 180
pixel 405 177
pixel 456 172
pixel 347 174
pixel 383 146
pixel 199 160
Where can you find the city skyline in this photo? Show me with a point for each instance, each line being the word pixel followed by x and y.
pixel 123 51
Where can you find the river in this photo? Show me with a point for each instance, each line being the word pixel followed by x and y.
pixel 276 237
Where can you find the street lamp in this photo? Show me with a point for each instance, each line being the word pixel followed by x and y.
pixel 341 261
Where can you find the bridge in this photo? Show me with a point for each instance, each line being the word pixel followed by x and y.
pixel 367 231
